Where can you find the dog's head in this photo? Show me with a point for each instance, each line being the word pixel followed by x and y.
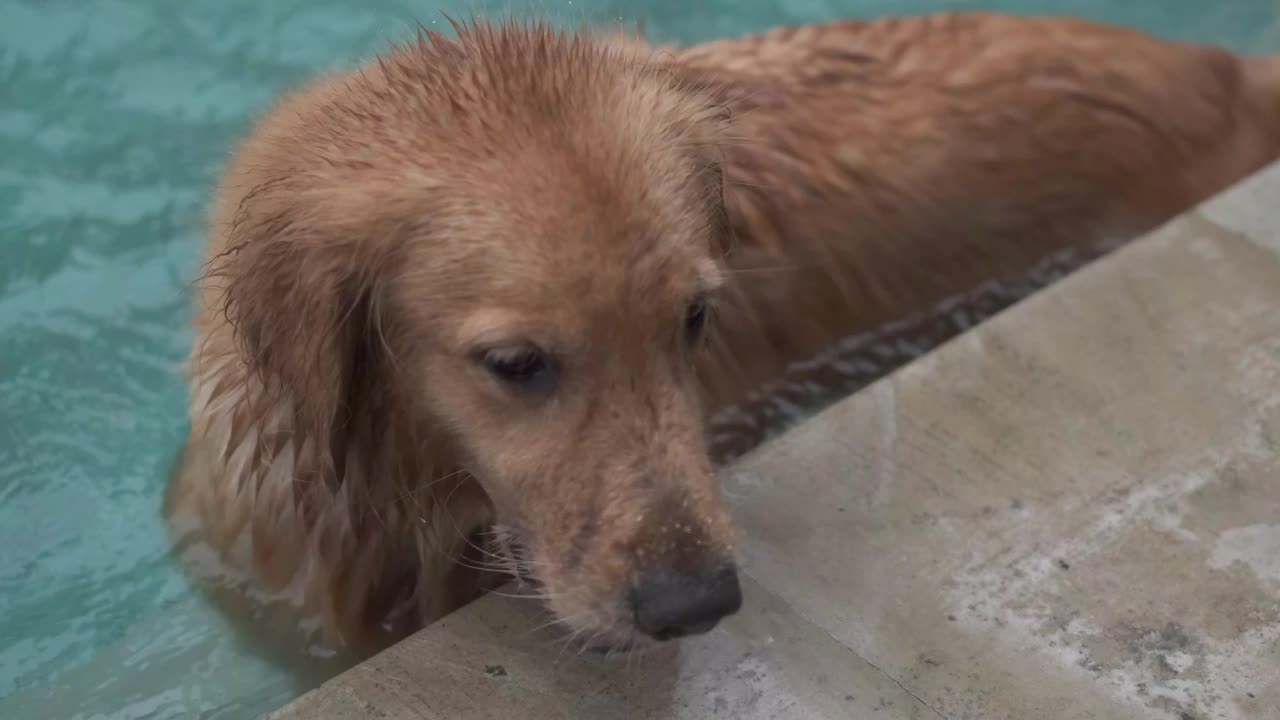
pixel 516 237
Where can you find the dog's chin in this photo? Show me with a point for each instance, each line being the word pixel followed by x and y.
pixel 619 642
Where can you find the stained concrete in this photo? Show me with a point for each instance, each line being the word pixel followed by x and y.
pixel 1071 512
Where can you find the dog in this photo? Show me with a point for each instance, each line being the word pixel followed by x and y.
pixel 467 306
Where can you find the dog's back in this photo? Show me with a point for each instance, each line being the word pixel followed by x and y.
pixel 882 166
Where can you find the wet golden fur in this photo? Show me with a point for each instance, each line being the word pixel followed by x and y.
pixel 379 227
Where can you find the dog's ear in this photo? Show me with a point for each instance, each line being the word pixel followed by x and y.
pixel 710 136
pixel 715 176
pixel 295 290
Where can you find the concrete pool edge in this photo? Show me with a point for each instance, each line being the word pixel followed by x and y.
pixel 1061 513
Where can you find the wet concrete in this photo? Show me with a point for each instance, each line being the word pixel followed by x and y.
pixel 1069 512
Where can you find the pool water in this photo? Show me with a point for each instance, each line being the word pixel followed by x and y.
pixel 115 116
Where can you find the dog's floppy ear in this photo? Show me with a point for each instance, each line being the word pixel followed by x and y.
pixel 710 136
pixel 295 290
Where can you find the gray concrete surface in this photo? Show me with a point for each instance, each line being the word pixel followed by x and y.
pixel 1071 512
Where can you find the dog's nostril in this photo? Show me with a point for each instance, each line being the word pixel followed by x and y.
pixel 670 604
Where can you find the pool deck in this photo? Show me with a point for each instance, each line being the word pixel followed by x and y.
pixel 1070 513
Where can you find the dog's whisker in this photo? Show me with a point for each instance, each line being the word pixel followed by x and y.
pixel 543 597
pixel 761 270
pixel 553 621
pixel 590 643
pixel 569 640
pixel 446 509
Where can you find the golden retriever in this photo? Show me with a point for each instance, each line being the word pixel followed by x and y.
pixel 468 305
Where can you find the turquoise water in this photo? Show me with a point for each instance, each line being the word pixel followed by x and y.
pixel 114 118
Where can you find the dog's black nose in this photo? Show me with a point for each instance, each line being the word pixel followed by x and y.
pixel 675 604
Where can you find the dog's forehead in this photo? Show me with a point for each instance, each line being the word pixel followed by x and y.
pixel 594 299
pixel 614 269
pixel 591 222
pixel 562 273
pixel 558 252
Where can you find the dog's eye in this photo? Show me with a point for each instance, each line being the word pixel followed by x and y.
pixel 526 367
pixel 695 318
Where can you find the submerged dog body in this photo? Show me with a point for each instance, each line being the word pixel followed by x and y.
pixel 465 286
